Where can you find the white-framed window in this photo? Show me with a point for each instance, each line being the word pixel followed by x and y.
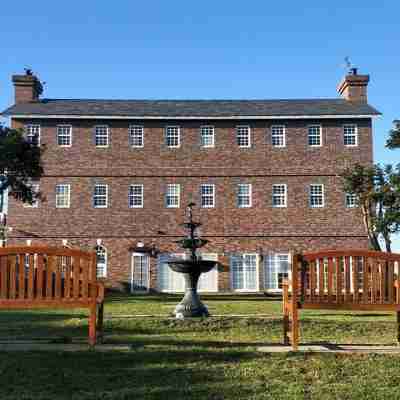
pixel 63 195
pixel 173 136
pixel 140 272
pixel 277 268
pixel 102 135
pixel 32 134
pixel 172 195
pixel 314 136
pixel 279 195
pixel 207 192
pixel 64 135
pixel 136 136
pixel 317 195
pixel 136 196
pixel 244 272
pixel 244 195
pixel 350 135
pixel 207 136
pixel 351 200
pixel 100 196
pixel 101 261
pixel 243 138
pixel 35 187
pixel 278 135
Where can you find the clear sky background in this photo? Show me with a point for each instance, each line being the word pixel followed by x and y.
pixel 205 49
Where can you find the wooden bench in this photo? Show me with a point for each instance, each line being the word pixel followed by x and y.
pixel 340 280
pixel 45 277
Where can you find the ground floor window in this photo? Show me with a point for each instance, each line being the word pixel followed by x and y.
pixel 171 281
pixel 101 260
pixel 244 272
pixel 276 269
pixel 140 270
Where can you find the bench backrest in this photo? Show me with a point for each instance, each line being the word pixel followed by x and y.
pixel 45 273
pixel 350 276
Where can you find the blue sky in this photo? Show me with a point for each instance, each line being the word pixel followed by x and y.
pixel 207 49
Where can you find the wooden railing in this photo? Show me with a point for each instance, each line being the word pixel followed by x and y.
pixel 351 279
pixel 33 277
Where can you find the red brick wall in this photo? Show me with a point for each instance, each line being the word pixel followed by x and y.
pixel 228 228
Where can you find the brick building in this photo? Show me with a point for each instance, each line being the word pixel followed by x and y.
pixel 263 173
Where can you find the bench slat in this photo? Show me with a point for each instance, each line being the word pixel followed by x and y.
pixel 347 279
pixel 49 277
pixel 355 279
pixel 338 280
pixel 76 277
pixel 383 281
pixel 312 269
pixel 4 277
pixel 13 275
pixel 321 273
pixel 330 279
pixel 366 279
pixel 390 280
pixel 31 273
pixel 40 277
pixel 21 275
pixel 58 268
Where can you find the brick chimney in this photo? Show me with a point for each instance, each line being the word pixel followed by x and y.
pixel 354 87
pixel 27 87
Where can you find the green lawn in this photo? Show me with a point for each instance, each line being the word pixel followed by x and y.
pixel 209 359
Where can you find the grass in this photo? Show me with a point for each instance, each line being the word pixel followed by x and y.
pixel 213 358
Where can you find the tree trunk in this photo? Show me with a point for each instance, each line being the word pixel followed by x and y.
pixel 373 239
pixel 388 242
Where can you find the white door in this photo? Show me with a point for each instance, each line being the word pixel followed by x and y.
pixel 244 272
pixel 140 272
pixel 208 282
pixel 276 269
pixel 168 280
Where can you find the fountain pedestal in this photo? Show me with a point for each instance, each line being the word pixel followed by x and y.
pixel 191 305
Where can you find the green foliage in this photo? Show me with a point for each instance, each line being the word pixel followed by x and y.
pixel 377 190
pixel 393 141
pixel 20 163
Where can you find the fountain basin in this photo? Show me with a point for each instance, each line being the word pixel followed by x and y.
pixel 189 266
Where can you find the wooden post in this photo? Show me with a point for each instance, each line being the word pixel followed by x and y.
pixel 285 289
pixel 100 316
pixel 294 306
pixel 92 324
pixel 398 327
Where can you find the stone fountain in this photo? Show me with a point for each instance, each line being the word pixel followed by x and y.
pixel 192 268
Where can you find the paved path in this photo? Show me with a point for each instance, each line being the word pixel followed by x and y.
pixel 333 348
pixel 57 347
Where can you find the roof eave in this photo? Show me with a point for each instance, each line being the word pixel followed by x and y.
pixel 202 117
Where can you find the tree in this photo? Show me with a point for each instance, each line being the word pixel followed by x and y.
pixel 20 163
pixel 377 190
pixel 393 141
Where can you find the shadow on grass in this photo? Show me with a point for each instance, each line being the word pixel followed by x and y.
pixel 142 374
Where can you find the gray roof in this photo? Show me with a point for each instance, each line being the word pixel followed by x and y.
pixel 192 108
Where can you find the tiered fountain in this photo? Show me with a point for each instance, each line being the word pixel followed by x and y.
pixel 191 306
